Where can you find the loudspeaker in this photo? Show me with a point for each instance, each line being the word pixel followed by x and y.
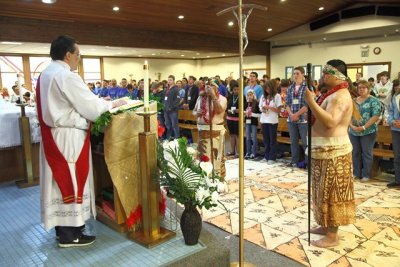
pixel 358 12
pixel 324 22
pixel 388 11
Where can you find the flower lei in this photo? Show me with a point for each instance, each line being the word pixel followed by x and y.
pixel 343 85
pixel 205 107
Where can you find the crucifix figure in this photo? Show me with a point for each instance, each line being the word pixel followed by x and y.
pixel 244 18
pixel 244 24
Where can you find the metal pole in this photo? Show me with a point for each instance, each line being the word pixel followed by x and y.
pixel 309 139
pixel 241 141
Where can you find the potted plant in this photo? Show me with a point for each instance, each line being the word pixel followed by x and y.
pixel 190 181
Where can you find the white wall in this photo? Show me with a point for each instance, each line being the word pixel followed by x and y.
pixel 225 66
pixel 349 52
pixel 119 68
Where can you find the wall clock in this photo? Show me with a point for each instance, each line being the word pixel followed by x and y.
pixel 377 50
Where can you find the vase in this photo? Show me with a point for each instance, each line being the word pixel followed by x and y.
pixel 191 224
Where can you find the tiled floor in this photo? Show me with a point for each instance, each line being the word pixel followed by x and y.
pixel 275 217
pixel 24 242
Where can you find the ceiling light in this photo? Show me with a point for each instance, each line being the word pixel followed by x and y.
pixel 11 43
pixel 116 8
pixel 193 57
pixel 197 53
pixel 181 17
pixel 182 55
pixel 168 52
pixel 223 55
pixel 139 55
pixel 153 54
pixel 321 8
pixel 269 29
pixel 49 1
pixel 283 0
pixel 230 23
pixel 208 56
pixel 119 53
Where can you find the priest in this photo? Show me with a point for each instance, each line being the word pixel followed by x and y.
pixel 65 109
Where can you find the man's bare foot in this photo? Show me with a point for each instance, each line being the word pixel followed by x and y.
pixel 319 230
pixel 326 242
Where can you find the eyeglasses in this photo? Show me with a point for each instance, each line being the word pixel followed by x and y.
pixel 78 54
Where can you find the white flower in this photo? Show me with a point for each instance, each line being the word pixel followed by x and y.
pixel 214 197
pixel 222 187
pixel 191 151
pixel 211 183
pixel 207 167
pixel 173 144
pixel 200 195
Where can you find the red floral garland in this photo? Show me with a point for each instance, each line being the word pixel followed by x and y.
pixel 135 217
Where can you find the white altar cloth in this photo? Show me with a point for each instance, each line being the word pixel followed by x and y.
pixel 9 124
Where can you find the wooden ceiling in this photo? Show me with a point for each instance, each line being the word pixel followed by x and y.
pixel 157 20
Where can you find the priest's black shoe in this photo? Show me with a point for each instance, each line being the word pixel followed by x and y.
pixel 83 240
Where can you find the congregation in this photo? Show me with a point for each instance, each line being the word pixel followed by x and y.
pixel 266 101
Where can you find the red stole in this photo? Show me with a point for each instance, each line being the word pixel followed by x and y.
pixel 343 85
pixel 57 162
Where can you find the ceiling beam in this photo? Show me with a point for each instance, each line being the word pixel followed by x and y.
pixel 44 31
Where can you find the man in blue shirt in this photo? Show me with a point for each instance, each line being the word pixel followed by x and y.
pixel 254 86
pixel 104 89
pixel 221 87
pixel 113 90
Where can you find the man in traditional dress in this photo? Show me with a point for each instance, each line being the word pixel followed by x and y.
pixel 331 165
pixel 210 110
pixel 65 108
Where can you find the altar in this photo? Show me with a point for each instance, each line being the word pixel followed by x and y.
pixel 11 152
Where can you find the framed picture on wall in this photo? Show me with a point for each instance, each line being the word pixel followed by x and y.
pixel 260 72
pixel 288 72
pixel 316 72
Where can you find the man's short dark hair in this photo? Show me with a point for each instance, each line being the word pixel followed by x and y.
pixel 60 47
pixel 285 83
pixel 172 77
pixel 255 73
pixel 233 84
pixel 371 79
pixel 339 65
pixel 192 77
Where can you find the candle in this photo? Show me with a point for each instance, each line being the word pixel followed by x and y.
pixel 20 83
pixel 146 84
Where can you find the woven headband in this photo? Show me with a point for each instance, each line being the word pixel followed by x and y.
pixel 328 69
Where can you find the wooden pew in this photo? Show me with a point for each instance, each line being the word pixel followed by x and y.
pixel 382 148
pixel 187 120
pixel 282 132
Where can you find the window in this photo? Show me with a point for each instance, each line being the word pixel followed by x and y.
pixel 9 67
pixel 37 65
pixel 91 70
